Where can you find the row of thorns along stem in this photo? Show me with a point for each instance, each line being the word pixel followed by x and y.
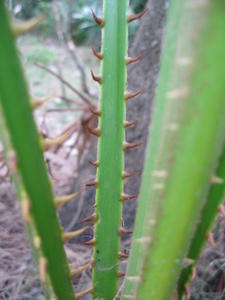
pixel 48 143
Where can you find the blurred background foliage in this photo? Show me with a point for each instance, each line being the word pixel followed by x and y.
pixel 74 16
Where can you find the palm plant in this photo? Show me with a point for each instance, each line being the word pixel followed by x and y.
pixel 183 181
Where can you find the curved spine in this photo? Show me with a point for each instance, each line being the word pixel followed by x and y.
pixel 37 204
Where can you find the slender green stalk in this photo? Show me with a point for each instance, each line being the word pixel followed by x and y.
pixel 187 138
pixel 39 206
pixel 110 149
pixel 208 215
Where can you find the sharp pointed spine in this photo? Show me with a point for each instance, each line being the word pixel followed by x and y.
pixel 130 95
pixel 75 273
pixel 92 218
pixel 127 124
pixel 96 78
pixel 125 197
pixel 94 131
pixel 26 208
pixel 38 102
pixel 37 242
pixel 65 199
pixel 217 180
pixel 128 175
pixel 93 183
pixel 131 60
pixel 84 293
pixel 97 20
pixel 121 274
pixel 48 143
pixel 211 240
pixel 122 255
pixel 127 146
pixel 137 16
pixel 221 210
pixel 123 231
pixel 67 236
pixel 94 163
pixel 20 28
pixel 43 264
pixel 97 54
pixel 91 242
pixel 95 111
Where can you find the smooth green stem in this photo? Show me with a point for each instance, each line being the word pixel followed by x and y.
pixel 110 149
pixel 17 111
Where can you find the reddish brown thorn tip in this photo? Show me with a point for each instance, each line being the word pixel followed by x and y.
pixel 92 218
pixel 97 54
pixel 128 175
pixel 93 183
pixel 95 163
pixel 131 145
pixel 130 95
pixel 92 242
pixel 131 60
pixel 98 21
pixel 123 255
pixel 121 274
pixel 96 78
pixel 125 197
pixel 94 131
pixel 123 231
pixel 137 16
pixel 127 124
pixel 95 111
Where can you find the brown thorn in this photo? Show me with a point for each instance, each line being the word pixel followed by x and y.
pixel 221 210
pixel 65 199
pixel 125 197
pixel 127 124
pixel 92 242
pixel 130 95
pixel 80 269
pixel 131 145
pixel 122 255
pixel 95 111
pixel 123 231
pixel 210 239
pixel 92 218
pixel 120 274
pixel 93 183
pixel 98 21
pixel 94 131
pixel 137 16
pixel 71 235
pixel 84 293
pixel 38 102
pixel 187 292
pixel 96 78
pixel 94 163
pixel 43 264
pixel 97 54
pixel 128 175
pixel 131 60
pixel 48 143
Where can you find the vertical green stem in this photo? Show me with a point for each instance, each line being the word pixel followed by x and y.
pixel 110 149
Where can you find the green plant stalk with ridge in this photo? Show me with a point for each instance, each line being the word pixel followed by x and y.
pixel 110 149
pixel 187 139
pixel 40 204
pixel 209 212
pixel 20 191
